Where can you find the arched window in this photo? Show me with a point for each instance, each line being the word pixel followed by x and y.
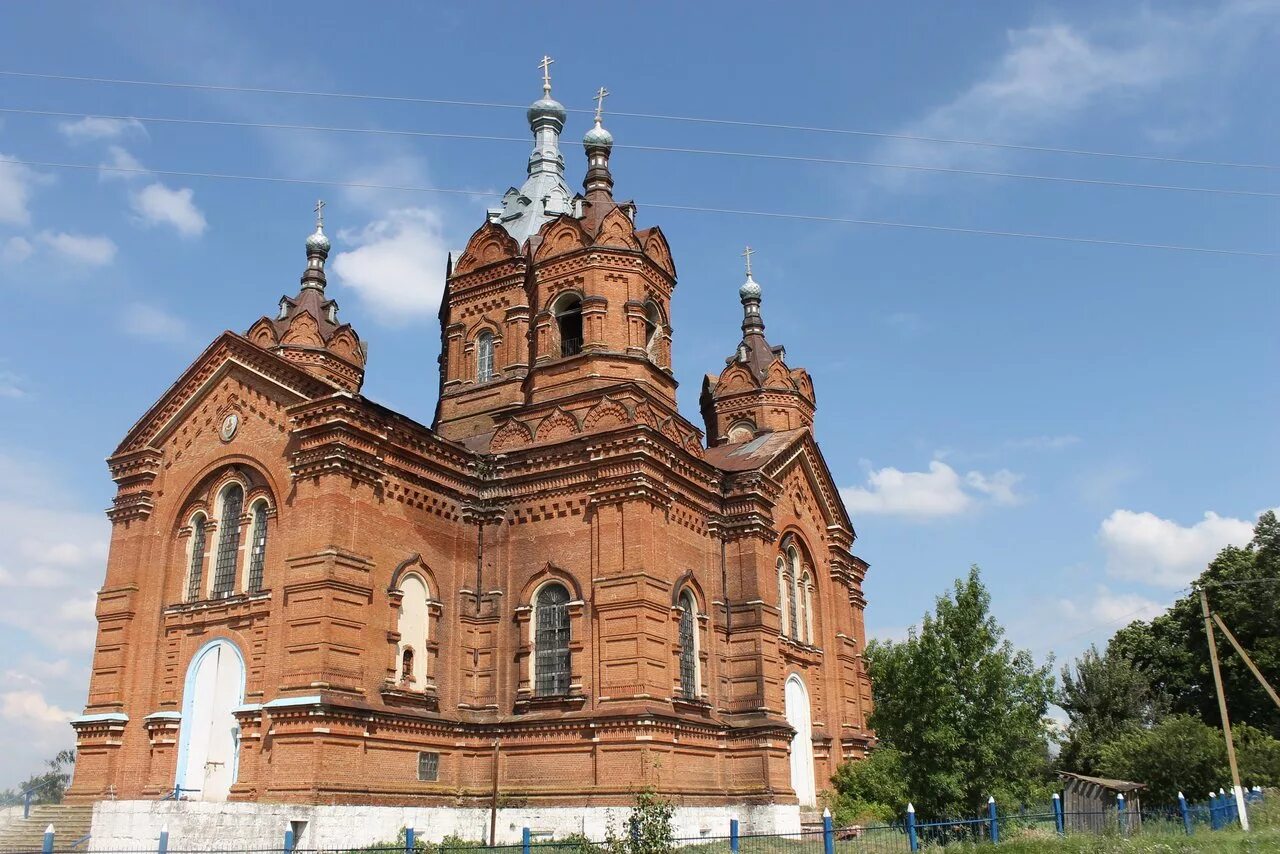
pixel 413 627
pixel 688 646
pixel 652 327
pixel 258 550
pixel 784 599
pixel 551 641
pixel 406 666
pixel 484 357
pixel 742 431
pixel 195 558
pixel 569 322
pixel 806 594
pixel 224 572
pixel 799 616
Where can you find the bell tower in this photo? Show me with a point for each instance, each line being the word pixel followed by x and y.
pixel 557 298
pixel 756 392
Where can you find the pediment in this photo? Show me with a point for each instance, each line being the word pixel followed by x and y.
pixel 303 331
pixel 488 245
pixel 562 235
pixel 616 229
pixel 229 354
pixel 735 378
pixel 778 376
pixel 263 333
pixel 656 247
pixel 803 462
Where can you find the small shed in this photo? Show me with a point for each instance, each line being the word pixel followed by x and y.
pixel 1090 803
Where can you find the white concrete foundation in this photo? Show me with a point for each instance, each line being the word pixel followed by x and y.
pixel 200 826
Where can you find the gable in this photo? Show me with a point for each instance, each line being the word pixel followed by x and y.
pixel 229 354
pixel 802 468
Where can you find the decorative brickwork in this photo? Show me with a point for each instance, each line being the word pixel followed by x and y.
pixel 390 606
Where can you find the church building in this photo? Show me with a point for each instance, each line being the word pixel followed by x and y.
pixel 559 593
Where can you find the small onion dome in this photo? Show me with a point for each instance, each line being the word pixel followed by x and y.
pixel 749 290
pixel 548 108
pixel 597 137
pixel 318 241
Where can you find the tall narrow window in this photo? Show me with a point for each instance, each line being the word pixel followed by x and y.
pixel 551 641
pixel 195 561
pixel 484 357
pixel 806 592
pixel 224 573
pixel 258 554
pixel 569 322
pixel 688 647
pixel 652 329
pixel 784 598
pixel 793 619
pixel 797 594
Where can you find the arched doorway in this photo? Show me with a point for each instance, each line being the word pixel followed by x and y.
pixel 798 715
pixel 209 748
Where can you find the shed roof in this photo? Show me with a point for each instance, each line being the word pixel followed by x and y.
pixel 1113 785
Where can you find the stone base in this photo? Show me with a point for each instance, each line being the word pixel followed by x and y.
pixel 200 826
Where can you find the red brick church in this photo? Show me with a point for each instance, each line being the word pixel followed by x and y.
pixel 561 591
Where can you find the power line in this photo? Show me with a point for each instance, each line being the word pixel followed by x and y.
pixel 1093 241
pixel 651 116
pixel 1066 179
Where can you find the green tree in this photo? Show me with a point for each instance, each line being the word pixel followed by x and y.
pixel 49 787
pixel 1243 584
pixel 1179 754
pixel 871 790
pixel 1103 695
pixel 964 710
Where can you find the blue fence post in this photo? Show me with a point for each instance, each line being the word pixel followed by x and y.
pixel 1058 823
pixel 828 833
pixel 47 847
pixel 911 828
pixel 733 836
pixel 408 840
pixel 1120 822
pixel 1186 814
pixel 164 839
pixel 1213 810
pixel 288 839
pixel 26 804
pixel 525 840
pixel 992 823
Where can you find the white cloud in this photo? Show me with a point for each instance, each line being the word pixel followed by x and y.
pixel 1145 547
pixel 938 492
pixel 16 183
pixel 397 267
pixel 1054 74
pixel 161 205
pixel 1109 609
pixel 11 384
pixel 153 323
pixel 93 251
pixel 120 165
pixel 93 128
pixel 30 708
pixel 16 250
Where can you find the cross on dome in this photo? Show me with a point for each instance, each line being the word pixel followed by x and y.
pixel 545 65
pixel 747 253
pixel 319 209
pixel 601 94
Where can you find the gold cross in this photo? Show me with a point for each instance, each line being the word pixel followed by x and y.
pixel 600 96
pixel 747 253
pixel 545 65
pixel 319 213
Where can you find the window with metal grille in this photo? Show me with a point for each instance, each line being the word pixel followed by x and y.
pixel 258 553
pixel 784 597
pixel 224 573
pixel 569 322
pixel 551 641
pixel 195 567
pixel 428 766
pixel 688 647
pixel 484 357
pixel 792 605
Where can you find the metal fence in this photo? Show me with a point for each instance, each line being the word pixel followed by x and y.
pixel 1217 813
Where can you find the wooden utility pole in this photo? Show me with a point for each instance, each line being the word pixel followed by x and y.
pixel 1222 708
pixel 1253 668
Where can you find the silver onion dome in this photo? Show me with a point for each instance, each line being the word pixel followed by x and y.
pixel 749 290
pixel 597 137
pixel 318 241
pixel 547 108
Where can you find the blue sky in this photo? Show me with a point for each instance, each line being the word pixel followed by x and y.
pixel 1088 423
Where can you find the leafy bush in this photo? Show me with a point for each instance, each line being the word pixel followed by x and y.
pixel 869 791
pixel 647 829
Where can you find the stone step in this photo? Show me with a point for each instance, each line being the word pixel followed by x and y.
pixel 70 822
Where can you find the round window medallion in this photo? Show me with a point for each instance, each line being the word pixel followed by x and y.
pixel 229 426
